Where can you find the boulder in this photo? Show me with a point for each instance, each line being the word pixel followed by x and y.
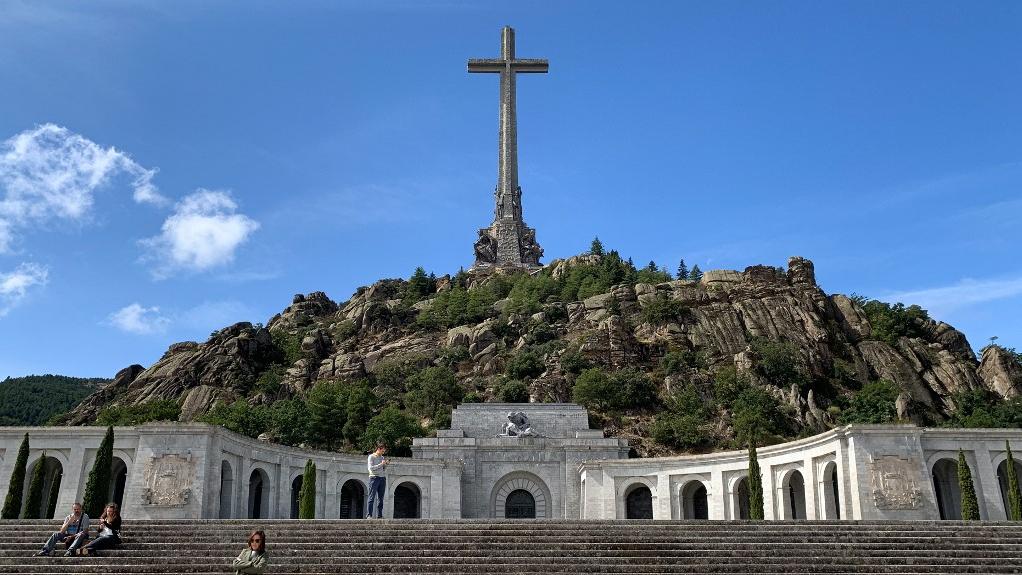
pixel 1001 371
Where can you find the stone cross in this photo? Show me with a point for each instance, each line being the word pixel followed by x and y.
pixel 507 242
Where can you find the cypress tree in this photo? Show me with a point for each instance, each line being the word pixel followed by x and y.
pixel 1014 497
pixel 51 502
pixel 34 502
pixel 755 485
pixel 307 495
pixel 682 270
pixel 970 507
pixel 98 486
pixel 696 274
pixel 12 503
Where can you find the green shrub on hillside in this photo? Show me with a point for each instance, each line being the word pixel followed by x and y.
pixel 628 388
pixel 432 392
pixel 526 364
pixel 780 364
pixel 513 391
pixel 663 310
pixel 889 322
pixel 874 403
pixel 157 410
pixel 394 428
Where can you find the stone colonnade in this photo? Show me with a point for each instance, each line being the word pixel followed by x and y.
pixel 854 472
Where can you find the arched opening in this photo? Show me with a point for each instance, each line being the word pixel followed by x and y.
pixel 1002 479
pixel 258 495
pixel 945 487
pixel 520 504
pixel 694 504
pixel 795 496
pixel 296 495
pixel 742 498
pixel 407 499
pixel 52 474
pixel 831 493
pixel 226 489
pixel 638 502
pixel 353 500
pixel 119 476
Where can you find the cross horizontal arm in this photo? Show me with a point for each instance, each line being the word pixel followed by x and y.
pixel 520 65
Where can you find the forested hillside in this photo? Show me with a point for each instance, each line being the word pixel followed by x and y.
pixel 34 399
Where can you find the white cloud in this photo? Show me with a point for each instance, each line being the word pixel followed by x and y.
pixel 50 172
pixel 15 285
pixel 203 232
pixel 966 292
pixel 140 320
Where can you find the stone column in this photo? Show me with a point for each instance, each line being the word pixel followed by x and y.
pixel 716 495
pixel 988 490
pixel 811 479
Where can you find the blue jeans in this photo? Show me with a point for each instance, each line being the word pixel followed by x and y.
pixel 377 487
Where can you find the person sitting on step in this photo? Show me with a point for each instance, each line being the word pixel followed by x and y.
pixel 75 523
pixel 253 559
pixel 109 533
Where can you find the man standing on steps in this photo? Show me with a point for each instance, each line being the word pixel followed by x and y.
pixel 377 480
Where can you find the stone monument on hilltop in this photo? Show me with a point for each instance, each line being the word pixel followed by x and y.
pixel 508 242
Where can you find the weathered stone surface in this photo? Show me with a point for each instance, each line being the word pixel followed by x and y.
pixel 711 277
pixel 302 311
pixel 801 271
pixel 199 400
pixel 1001 371
pixel 599 301
pixel 851 318
pixel 461 335
pixel 342 365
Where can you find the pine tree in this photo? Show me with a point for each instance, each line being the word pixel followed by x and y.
pixel 12 504
pixel 34 502
pixel 307 495
pixel 51 502
pixel 755 485
pixel 596 248
pixel 970 507
pixel 696 274
pixel 1014 497
pixel 98 485
pixel 420 284
pixel 651 266
pixel 682 270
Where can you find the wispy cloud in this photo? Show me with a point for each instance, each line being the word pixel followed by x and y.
pixel 211 315
pixel 138 319
pixel 15 285
pixel 967 292
pixel 204 232
pixel 50 173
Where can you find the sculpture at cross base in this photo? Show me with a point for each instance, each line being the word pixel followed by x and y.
pixel 518 425
pixel 507 242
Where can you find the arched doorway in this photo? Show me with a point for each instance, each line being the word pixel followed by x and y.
pixel 119 478
pixel 520 480
pixel 353 500
pixel 226 489
pixel 1002 479
pixel 945 487
pixel 407 500
pixel 296 495
pixel 694 504
pixel 831 493
pixel 520 504
pixel 638 502
pixel 794 498
pixel 258 495
pixel 741 496
pixel 52 475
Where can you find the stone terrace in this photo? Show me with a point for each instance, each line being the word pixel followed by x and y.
pixel 635 547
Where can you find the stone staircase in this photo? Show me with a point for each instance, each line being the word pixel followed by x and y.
pixel 426 547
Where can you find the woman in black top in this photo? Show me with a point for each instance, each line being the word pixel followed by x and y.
pixel 109 531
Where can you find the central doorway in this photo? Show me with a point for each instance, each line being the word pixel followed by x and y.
pixel 520 504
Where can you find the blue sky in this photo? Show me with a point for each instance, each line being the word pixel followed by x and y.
pixel 170 168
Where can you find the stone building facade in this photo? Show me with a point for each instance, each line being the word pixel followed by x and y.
pixel 554 467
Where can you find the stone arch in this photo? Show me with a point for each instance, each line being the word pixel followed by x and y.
pixel 830 492
pixel 1002 481
pixel 740 497
pixel 521 481
pixel 53 472
pixel 118 480
pixel 226 490
pixel 793 495
pixel 638 501
pixel 695 502
pixel 352 493
pixel 258 494
pixel 945 487
pixel 407 500
pixel 296 493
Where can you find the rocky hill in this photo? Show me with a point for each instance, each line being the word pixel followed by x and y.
pixel 597 320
